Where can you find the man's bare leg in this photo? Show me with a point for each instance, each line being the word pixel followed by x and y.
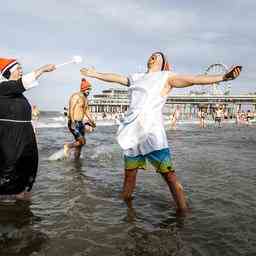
pixel 77 145
pixel 77 152
pixel 176 191
pixel 129 185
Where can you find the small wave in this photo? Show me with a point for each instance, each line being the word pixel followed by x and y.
pixel 55 124
pixel 61 121
pixel 49 125
pixel 104 150
pixel 59 118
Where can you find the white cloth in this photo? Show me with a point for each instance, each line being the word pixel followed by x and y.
pixel 142 130
pixel 29 80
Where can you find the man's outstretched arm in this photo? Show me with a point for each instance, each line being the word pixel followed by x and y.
pixel 106 77
pixel 181 81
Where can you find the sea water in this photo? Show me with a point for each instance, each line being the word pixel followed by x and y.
pixel 76 207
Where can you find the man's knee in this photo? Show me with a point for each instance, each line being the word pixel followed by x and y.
pixel 130 173
pixel 170 176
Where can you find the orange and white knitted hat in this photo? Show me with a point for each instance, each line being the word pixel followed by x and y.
pixel 7 65
pixel 85 85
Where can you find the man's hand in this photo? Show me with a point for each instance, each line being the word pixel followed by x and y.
pixel 232 73
pixel 90 125
pixel 93 124
pixel 91 72
pixel 89 122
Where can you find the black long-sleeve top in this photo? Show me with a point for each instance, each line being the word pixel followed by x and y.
pixel 13 104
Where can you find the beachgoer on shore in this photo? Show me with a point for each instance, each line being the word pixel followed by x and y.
pixel 202 113
pixel 174 118
pixel 218 115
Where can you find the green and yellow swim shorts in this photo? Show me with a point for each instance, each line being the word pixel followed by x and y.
pixel 160 159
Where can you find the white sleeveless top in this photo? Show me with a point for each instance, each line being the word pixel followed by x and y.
pixel 142 130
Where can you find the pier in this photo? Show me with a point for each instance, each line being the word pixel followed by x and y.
pixel 116 101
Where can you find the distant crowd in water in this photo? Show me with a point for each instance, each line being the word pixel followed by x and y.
pixel 218 114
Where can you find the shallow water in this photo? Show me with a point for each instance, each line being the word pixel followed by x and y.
pixel 76 209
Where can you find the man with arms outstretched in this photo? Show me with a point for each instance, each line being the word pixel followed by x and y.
pixel 141 134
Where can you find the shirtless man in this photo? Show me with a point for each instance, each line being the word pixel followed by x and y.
pixel 79 120
pixel 141 134
pixel 174 118
pixel 35 117
pixel 249 117
pixel 35 112
pixel 219 115
pixel 202 116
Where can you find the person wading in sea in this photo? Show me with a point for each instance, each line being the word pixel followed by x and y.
pixel 18 147
pixel 79 120
pixel 141 134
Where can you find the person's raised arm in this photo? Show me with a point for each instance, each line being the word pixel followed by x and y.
pixel 181 81
pixel 106 77
pixel 44 69
pixel 13 86
pixel 29 79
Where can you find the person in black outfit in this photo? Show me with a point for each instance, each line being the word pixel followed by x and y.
pixel 18 147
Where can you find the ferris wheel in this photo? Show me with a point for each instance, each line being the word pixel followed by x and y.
pixel 222 88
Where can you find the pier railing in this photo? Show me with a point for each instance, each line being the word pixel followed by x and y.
pixel 115 105
pixel 211 99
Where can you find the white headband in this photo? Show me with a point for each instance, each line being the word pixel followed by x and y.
pixel 13 68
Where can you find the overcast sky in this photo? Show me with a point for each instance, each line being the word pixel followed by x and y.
pixel 118 36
